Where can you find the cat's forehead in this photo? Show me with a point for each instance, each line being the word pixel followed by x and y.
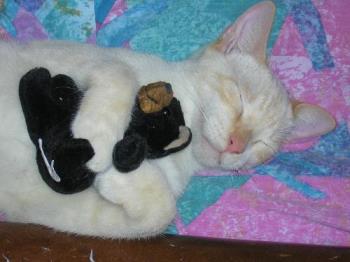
pixel 239 78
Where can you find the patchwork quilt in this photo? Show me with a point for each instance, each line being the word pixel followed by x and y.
pixel 302 195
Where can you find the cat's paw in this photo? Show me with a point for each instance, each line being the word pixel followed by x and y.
pixel 138 192
pixel 94 127
pixel 111 185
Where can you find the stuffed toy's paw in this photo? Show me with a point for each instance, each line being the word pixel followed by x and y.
pixel 49 105
pixel 157 128
pixel 129 153
pixel 69 164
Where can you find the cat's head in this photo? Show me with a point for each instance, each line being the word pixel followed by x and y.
pixel 245 113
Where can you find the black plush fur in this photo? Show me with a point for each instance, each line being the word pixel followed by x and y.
pixel 147 135
pixel 49 105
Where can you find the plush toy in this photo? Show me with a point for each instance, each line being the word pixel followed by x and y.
pixel 157 128
pixel 49 105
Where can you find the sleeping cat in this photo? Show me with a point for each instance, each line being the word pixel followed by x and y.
pixel 238 112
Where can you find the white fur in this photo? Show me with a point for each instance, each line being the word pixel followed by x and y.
pixel 141 203
pixel 216 91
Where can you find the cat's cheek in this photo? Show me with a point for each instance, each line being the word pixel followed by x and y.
pixel 205 154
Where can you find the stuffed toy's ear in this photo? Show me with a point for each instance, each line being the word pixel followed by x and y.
pixel 183 140
pixel 250 32
pixel 310 121
pixel 129 152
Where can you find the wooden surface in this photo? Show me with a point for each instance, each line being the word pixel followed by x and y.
pixel 19 242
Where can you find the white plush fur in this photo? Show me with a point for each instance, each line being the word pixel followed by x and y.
pixel 220 92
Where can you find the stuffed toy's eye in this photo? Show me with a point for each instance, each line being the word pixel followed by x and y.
pixel 166 112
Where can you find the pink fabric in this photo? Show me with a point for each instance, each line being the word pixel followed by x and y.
pixel 266 210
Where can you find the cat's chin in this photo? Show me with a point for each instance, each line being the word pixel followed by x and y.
pixel 206 154
pixel 230 161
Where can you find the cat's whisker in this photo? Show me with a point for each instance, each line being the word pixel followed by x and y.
pixel 197 104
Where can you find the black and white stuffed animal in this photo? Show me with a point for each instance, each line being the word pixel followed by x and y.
pixel 157 129
pixel 49 105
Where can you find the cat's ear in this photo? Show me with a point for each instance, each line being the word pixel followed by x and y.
pixel 250 32
pixel 310 121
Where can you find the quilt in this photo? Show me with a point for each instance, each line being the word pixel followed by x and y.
pixel 302 195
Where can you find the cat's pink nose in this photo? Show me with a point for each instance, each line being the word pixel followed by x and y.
pixel 235 145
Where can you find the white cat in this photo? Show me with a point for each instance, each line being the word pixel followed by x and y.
pixel 238 112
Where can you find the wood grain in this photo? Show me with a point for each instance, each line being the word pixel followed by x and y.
pixel 21 242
